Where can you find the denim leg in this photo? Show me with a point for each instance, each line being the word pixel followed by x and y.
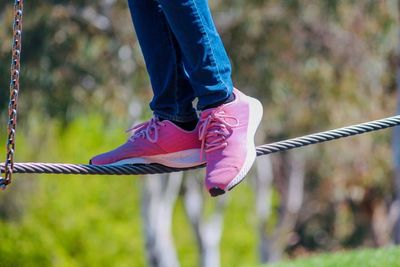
pixel 173 93
pixel 204 56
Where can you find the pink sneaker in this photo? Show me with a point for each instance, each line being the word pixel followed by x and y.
pixel 227 135
pixel 156 141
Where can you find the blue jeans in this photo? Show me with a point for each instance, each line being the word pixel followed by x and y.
pixel 184 56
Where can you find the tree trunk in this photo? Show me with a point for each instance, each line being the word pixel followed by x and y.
pixel 273 244
pixel 208 230
pixel 396 150
pixel 158 199
pixel 396 154
pixel 263 194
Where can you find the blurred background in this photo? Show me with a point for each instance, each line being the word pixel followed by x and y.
pixel 315 65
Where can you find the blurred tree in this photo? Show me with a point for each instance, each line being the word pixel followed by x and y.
pixel 159 194
pixel 396 146
pixel 274 238
pixel 319 65
pixel 77 57
pixel 207 225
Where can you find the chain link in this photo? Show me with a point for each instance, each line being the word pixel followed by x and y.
pixel 14 90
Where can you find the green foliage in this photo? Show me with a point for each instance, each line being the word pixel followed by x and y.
pixel 76 58
pixel 73 220
pixel 96 220
pixel 84 227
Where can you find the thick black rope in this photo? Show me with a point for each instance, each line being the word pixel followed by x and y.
pixel 58 168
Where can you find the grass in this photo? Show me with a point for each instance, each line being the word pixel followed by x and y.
pixel 384 257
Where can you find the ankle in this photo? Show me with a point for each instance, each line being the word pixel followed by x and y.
pixel 227 100
pixel 188 126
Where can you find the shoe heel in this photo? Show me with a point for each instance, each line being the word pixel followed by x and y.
pixel 255 116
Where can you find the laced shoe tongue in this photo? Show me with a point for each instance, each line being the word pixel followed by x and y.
pixel 148 130
pixel 215 129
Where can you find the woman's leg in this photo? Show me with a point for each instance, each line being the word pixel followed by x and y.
pixel 173 93
pixel 204 56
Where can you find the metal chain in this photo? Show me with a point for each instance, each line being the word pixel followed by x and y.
pixel 14 90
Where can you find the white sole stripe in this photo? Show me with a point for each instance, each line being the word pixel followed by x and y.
pixel 181 159
pixel 255 116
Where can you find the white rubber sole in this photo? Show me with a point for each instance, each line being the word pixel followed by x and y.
pixel 255 116
pixel 182 159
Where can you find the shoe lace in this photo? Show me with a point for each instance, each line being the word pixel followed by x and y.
pixel 215 129
pixel 148 130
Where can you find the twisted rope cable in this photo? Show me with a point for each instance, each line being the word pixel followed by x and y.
pixel 59 168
